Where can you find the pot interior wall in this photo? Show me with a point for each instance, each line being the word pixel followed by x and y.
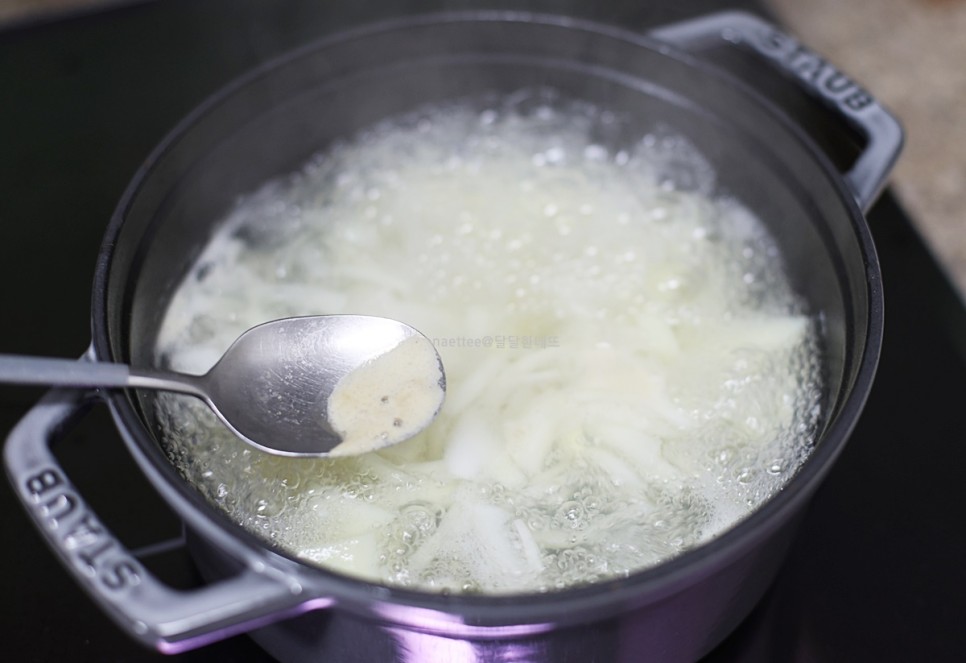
pixel 273 122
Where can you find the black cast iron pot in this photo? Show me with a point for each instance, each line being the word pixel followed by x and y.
pixel 269 123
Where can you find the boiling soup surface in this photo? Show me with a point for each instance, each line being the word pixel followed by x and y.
pixel 629 372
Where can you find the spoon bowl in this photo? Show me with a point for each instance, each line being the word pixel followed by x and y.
pixel 274 386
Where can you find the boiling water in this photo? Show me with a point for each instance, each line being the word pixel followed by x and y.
pixel 629 372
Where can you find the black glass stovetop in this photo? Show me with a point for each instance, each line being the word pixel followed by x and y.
pixel 878 572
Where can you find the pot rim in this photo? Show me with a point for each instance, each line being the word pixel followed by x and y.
pixel 567 605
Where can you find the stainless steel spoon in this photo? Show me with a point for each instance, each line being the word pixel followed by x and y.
pixel 272 386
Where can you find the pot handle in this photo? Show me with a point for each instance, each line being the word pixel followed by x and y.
pixel 858 108
pixel 168 619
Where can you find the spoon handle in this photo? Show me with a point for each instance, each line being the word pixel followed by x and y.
pixel 19 369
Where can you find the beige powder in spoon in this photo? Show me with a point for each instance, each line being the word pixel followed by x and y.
pixel 388 399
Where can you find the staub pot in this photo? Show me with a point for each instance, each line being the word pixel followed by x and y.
pixel 270 122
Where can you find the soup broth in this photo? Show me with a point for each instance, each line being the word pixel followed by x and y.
pixel 629 372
